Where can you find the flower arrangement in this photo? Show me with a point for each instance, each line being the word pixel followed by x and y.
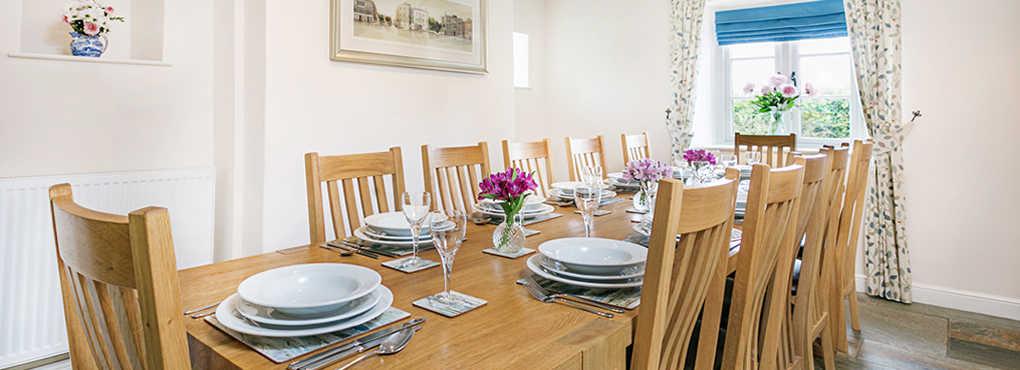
pixel 694 157
pixel 510 186
pixel 646 170
pixel 777 97
pixel 87 17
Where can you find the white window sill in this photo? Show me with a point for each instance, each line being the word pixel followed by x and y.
pixel 71 58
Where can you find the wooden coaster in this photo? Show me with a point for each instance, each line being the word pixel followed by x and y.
pixel 467 303
pixel 521 253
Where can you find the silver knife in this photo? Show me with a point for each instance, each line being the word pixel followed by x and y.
pixel 377 335
pixel 353 351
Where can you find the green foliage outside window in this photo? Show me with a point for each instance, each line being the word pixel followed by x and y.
pixel 820 118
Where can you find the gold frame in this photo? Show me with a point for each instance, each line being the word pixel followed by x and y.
pixel 338 53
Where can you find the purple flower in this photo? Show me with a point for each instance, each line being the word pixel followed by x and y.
pixel 510 186
pixel 698 155
pixel 749 88
pixel 789 91
pixel 646 170
pixel 777 80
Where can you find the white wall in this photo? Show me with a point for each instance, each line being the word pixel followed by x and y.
pixel 314 104
pixel 960 69
pixel 59 117
pixel 607 73
pixel 529 103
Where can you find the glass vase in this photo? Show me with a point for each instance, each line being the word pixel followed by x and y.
pixel 88 46
pixel 778 122
pixel 642 199
pixel 701 172
pixel 509 235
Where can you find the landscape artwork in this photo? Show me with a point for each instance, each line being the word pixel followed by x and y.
pixel 433 34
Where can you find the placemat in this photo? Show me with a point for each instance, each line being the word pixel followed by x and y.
pixel 520 253
pixel 280 350
pixel 386 249
pixel 469 303
pixel 397 264
pixel 628 298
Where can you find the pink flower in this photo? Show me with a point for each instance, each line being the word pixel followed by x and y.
pixel 109 11
pixel 749 88
pixel 65 20
pixel 777 80
pixel 809 90
pixel 789 91
pixel 91 29
pixel 767 89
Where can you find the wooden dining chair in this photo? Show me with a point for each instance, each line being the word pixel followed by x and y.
pixel 754 328
pixel 532 157
pixel 772 147
pixel 118 278
pixel 585 152
pixel 683 278
pixel 635 147
pixel 849 227
pixel 452 175
pixel 808 318
pixel 360 175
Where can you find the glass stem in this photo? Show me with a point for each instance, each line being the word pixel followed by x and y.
pixel 587 218
pixel 447 271
pixel 415 231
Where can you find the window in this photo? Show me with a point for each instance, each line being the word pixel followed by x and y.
pixel 521 60
pixel 832 116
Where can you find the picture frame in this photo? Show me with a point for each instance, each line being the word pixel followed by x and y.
pixel 446 35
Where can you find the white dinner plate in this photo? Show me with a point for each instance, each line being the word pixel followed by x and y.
pixel 568 186
pixel 534 266
pixel 640 228
pixel 544 209
pixel 557 268
pixel 269 315
pixel 309 290
pixel 360 233
pixel 382 235
pixel 394 223
pixel 594 256
pixel 606 194
pixel 531 203
pixel 227 314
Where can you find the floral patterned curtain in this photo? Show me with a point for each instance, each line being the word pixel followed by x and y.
pixel 684 42
pixel 874 27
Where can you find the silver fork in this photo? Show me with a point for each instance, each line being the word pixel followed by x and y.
pixel 548 299
pixel 534 284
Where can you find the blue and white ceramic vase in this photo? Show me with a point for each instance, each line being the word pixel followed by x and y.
pixel 87 46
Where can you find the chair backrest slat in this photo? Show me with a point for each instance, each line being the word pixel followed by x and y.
pixel 533 157
pixel 452 175
pixel 118 277
pixel 851 215
pixel 585 152
pixel 635 147
pixel 349 179
pixel 685 277
pixel 772 147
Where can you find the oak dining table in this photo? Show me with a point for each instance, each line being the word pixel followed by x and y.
pixel 512 331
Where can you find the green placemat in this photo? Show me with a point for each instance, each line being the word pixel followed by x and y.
pixel 280 350
pixel 627 298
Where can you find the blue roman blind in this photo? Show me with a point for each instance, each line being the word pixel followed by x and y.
pixel 811 20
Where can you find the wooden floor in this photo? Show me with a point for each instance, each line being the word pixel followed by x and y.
pixel 920 336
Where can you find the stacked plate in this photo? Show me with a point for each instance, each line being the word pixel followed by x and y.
pixel 391 228
pixel 303 300
pixel 742 189
pixel 533 207
pixel 616 180
pixel 591 262
pixel 645 227
pixel 565 190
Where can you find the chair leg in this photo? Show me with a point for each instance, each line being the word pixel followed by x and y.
pixel 855 318
pixel 828 353
pixel 839 329
pixel 808 352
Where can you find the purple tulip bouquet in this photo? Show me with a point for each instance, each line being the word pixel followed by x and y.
pixel 647 172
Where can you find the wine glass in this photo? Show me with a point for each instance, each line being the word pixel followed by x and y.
pixel 416 205
pixel 591 175
pixel 752 158
pixel 448 230
pixel 587 199
pixel 728 160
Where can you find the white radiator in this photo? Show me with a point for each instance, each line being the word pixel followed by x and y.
pixel 31 314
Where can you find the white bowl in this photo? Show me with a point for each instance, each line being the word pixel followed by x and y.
pixel 394 223
pixel 309 290
pixel 568 186
pixel 594 256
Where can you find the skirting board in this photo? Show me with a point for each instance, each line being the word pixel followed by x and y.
pixel 961 300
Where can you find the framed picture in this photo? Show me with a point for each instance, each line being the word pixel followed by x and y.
pixel 447 35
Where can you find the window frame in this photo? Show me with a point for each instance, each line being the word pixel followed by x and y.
pixel 787 58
